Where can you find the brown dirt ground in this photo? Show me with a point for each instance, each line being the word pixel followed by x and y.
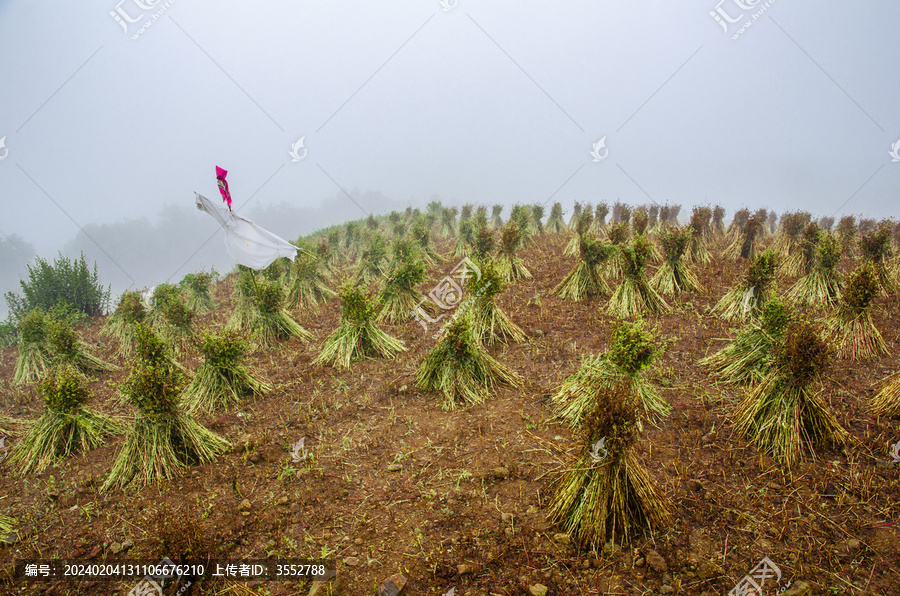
pixel 461 472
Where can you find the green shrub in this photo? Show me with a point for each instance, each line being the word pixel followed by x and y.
pixel 64 283
pixel 8 333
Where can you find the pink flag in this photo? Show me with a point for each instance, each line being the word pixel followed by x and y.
pixel 223 185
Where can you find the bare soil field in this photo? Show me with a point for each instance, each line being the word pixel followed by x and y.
pixel 456 499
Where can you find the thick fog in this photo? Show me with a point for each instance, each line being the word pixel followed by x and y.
pixel 116 111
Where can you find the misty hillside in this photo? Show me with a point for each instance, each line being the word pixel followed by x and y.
pixel 143 252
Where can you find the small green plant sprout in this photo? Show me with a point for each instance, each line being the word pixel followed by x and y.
pixel 555 223
pixel 510 264
pixel 66 348
pixel 748 358
pixel 460 368
pixel 448 221
pixel 357 337
pixel 307 283
pixel 163 439
pixel 399 295
pixel 745 300
pixel 197 286
pixel 581 226
pixel 850 327
pixel 269 323
pixel 822 285
pixel 632 350
pixel 783 415
pixel 701 235
pixel 33 347
pixel 635 296
pixel 121 324
pixel 496 217
pixel 675 275
pixel 66 426
pixel 608 494
pixel 877 250
pixel 489 322
pixel 222 379
pixel 373 260
pixel 587 278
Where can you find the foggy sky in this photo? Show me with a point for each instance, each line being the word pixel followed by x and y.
pixel 484 102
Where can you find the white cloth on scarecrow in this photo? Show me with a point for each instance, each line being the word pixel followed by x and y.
pixel 247 243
